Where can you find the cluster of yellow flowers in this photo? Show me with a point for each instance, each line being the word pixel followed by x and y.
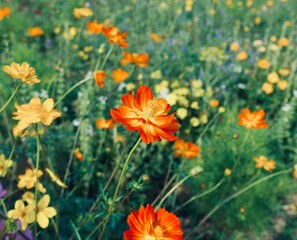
pixel 274 79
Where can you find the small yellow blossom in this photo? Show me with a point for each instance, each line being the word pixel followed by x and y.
pixel 263 64
pixel 241 56
pixel 24 213
pixel 267 88
pixel 23 72
pixel 273 77
pixel 204 119
pixel 34 112
pixel 284 71
pixel 282 84
pixel 82 12
pixel 29 197
pixel 234 46
pixel 263 162
pixel 227 172
pixel 5 164
pixel 195 122
pixel 222 109
pixel 195 105
pixel 130 86
pixel 55 178
pixel 257 20
pixel 214 103
pixel 283 42
pixel 156 74
pixel 269 3
pixel 44 212
pixel 28 180
pixel 196 84
pixel 182 113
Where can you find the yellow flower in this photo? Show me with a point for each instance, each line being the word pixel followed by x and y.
pixel 234 46
pixel 263 64
pixel 242 56
pixel 182 113
pixel 267 88
pixel 269 3
pixel 282 84
pixel 28 180
pixel 263 162
pixel 44 212
pixel 257 20
pixel 23 72
pixel 203 118
pixel 284 72
pixel 4 165
pixel 273 77
pixel 82 12
pixel 29 197
pixel 34 112
pixel 214 103
pixel 55 178
pixel 283 42
pixel 195 122
pixel 227 172
pixel 24 213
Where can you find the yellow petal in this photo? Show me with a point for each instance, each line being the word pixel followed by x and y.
pixel 48 104
pixel 35 101
pixel 50 212
pixel 19 205
pixel 44 201
pixel 42 220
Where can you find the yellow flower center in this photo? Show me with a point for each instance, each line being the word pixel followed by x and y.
pixel 158 231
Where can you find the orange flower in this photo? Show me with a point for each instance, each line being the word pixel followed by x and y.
pixel 105 124
pixel 241 56
pixel 295 172
pixel 283 42
pixel 119 75
pixel 4 12
pixel 148 224
pixel 264 64
pixel 263 162
pixel 146 115
pixel 185 149
pixel 99 77
pixel 94 27
pixel 252 119
pixel 156 38
pixel 35 31
pixel 139 59
pixel 77 153
pixel 115 36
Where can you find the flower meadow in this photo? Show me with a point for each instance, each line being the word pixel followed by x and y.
pixel 148 120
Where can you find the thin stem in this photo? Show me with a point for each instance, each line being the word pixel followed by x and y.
pixel 71 89
pixel 3 206
pixel 11 97
pixel 107 56
pixel 37 179
pixel 164 189
pixel 110 209
pixel 234 196
pixel 200 195
pixel 172 190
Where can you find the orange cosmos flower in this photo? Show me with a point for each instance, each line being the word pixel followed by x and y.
pixel 185 149
pixel 115 36
pixel 156 38
pixel 263 64
pixel 252 119
pixel 263 162
pixel 4 12
pixel 105 124
pixel 99 77
pixel 148 224
pixel 83 12
pixel 94 27
pixel 79 156
pixel 119 75
pixel 146 115
pixel 35 31
pixel 139 59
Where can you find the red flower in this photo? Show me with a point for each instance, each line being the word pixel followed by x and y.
pixel 99 77
pixel 148 224
pixel 252 119
pixel 146 115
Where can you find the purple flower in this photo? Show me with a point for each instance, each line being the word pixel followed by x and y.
pixel 27 234
pixel 3 192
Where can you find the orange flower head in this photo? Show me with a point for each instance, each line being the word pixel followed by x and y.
pixel 105 124
pixel 99 77
pixel 115 36
pixel 263 64
pixel 252 119
pixel 78 154
pixel 156 37
pixel 119 75
pixel 4 12
pixel 148 224
pixel 35 31
pixel 263 162
pixel 185 149
pixel 146 115
pixel 94 27
pixel 138 59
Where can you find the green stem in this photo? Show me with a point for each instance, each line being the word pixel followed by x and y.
pixel 37 179
pixel 172 190
pixel 200 195
pixel 11 97
pixel 110 209
pixel 71 89
pixel 107 56
pixel 234 196
pixel 3 206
